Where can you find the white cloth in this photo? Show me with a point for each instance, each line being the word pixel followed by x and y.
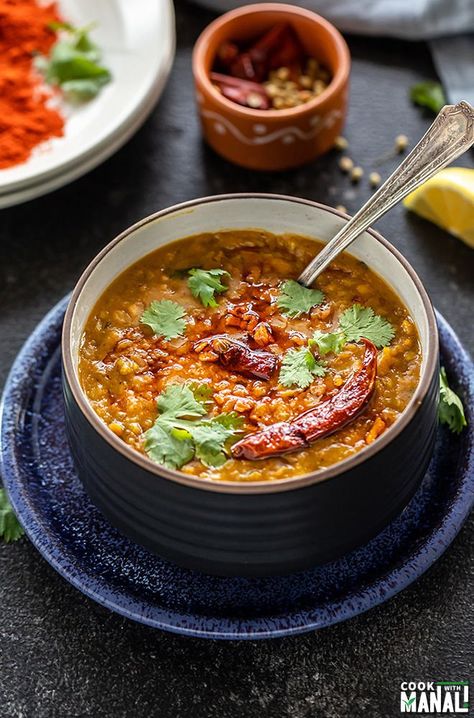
pixel 408 19
pixel 446 23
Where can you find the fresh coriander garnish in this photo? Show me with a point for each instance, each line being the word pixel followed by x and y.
pixel 361 322
pixel 451 410
pixel 165 317
pixel 181 432
pixel 205 283
pixel 10 529
pixel 428 94
pixel 295 299
pixel 328 341
pixel 355 323
pixel 74 64
pixel 299 367
pixel 202 392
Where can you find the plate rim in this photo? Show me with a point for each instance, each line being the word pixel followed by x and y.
pixel 420 560
pixel 61 179
pixel 110 143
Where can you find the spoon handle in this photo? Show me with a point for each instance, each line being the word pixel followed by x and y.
pixel 451 134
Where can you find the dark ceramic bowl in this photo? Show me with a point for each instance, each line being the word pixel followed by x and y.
pixel 255 528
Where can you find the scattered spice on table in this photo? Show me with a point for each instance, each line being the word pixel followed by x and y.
pixel 356 174
pixel 274 72
pixel 401 143
pixel 26 119
pixel 374 179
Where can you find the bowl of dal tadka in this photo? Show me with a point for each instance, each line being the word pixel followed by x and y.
pixel 232 420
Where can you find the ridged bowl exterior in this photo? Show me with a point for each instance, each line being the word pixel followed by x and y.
pixel 251 528
pixel 254 534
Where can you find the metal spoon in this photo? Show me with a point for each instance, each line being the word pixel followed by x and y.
pixel 451 134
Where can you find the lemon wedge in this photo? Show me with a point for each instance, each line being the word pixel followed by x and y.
pixel 447 199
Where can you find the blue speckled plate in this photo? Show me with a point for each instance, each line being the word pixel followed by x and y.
pixel 75 538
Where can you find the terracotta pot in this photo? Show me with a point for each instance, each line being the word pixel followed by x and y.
pixel 272 139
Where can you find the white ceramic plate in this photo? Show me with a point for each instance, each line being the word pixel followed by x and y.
pixel 138 43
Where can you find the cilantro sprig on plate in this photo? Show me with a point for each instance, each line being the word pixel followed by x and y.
pixel 295 300
pixel 166 318
pixel 451 410
pixel 205 283
pixel 10 529
pixel 299 367
pixel 74 64
pixel 183 432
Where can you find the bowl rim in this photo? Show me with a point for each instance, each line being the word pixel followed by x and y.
pixel 337 84
pixel 248 487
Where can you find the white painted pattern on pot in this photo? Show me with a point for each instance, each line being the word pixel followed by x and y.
pixel 285 135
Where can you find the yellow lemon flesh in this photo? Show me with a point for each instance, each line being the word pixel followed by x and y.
pixel 447 199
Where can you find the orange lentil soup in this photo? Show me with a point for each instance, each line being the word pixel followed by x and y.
pixel 125 365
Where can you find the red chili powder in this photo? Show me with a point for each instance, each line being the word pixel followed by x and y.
pixel 25 118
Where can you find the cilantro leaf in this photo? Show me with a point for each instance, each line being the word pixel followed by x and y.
pixel 202 392
pixel 74 64
pixel 165 317
pixel 231 420
pixel 428 94
pixel 81 90
pixel 167 448
pixel 299 367
pixel 178 401
pixel 295 299
pixel 210 437
pixel 204 283
pixel 328 341
pixel 358 321
pixel 182 432
pixel 56 26
pixel 451 410
pixel 10 529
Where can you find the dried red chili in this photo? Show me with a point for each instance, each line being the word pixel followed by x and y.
pixel 273 73
pixel 236 356
pixel 244 92
pixel 326 418
pixel 277 47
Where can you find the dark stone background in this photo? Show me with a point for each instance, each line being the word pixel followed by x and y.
pixel 61 654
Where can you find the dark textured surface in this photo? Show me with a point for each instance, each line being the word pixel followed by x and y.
pixel 62 655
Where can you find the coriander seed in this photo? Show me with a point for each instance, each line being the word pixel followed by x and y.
pixel 340 143
pixel 318 87
pixel 374 179
pixel 356 174
pixel 305 81
pixel 271 89
pixel 401 143
pixel 312 67
pixel 282 73
pixel 346 164
pixel 304 95
pixel 254 100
